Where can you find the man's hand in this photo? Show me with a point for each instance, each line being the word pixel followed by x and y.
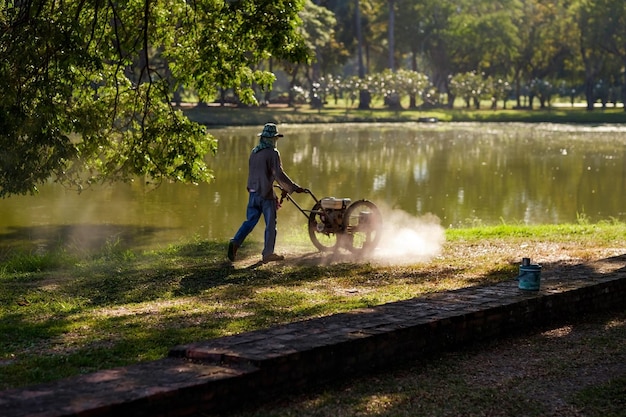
pixel 300 190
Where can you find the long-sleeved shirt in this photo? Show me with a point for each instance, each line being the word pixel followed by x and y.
pixel 265 167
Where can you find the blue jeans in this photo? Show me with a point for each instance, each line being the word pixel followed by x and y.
pixel 257 206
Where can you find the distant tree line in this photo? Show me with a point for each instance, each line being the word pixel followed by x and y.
pixel 522 50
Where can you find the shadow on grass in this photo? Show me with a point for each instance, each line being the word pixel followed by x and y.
pixel 75 238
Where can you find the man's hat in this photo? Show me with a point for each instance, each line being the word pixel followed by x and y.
pixel 270 131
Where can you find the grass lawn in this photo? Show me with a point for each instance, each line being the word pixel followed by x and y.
pixel 63 314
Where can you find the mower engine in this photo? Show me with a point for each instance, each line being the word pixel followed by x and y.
pixel 334 209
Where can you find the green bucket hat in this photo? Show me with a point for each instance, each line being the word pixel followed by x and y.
pixel 270 131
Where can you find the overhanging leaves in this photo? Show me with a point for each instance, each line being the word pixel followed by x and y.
pixel 87 84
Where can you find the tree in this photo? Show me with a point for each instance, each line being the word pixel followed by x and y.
pixel 590 36
pixel 412 83
pixel 87 85
pixel 390 34
pixel 434 26
pixel 546 42
pixel 331 53
pixel 316 21
pixel 483 36
pixel 471 87
pixel 612 37
pixel 364 96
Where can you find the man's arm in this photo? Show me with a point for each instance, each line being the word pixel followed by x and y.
pixel 281 177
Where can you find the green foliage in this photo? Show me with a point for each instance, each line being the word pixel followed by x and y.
pixel 318 23
pixel 469 86
pixel 87 86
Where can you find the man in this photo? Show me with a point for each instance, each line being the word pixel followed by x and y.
pixel 264 168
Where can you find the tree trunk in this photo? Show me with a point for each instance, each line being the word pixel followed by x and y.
pixel 451 98
pixel 624 88
pixel 291 102
pixel 517 88
pixel 589 92
pixel 268 93
pixel 392 23
pixel 364 99
pixel 412 97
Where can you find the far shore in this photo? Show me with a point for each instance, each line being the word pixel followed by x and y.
pixel 216 115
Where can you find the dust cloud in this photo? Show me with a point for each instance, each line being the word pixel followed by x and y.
pixel 408 239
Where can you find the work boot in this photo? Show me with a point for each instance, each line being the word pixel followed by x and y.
pixel 232 250
pixel 272 257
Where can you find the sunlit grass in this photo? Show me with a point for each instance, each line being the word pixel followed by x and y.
pixel 601 233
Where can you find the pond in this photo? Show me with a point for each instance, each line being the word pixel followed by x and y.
pixel 461 174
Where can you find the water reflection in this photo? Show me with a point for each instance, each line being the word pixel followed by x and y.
pixel 461 173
